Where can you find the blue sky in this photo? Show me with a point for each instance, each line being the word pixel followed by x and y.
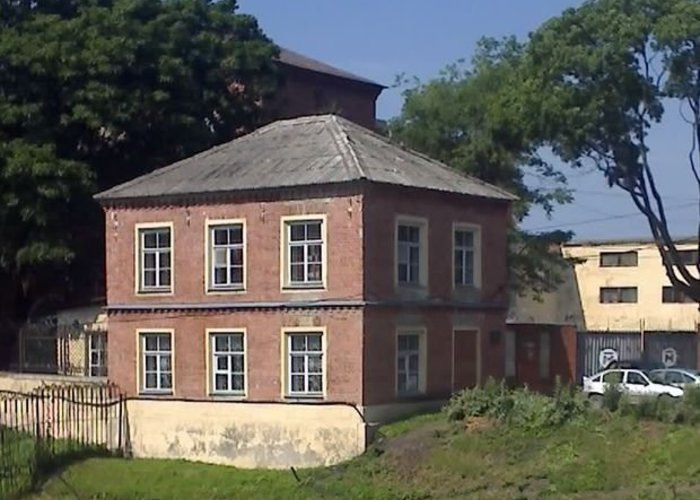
pixel 381 39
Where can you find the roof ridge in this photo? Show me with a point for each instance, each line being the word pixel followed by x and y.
pixel 427 158
pixel 345 147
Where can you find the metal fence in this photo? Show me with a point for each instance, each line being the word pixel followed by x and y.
pixel 654 349
pixel 75 349
pixel 48 428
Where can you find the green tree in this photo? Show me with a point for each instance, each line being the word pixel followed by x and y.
pixel 595 81
pixel 95 92
pixel 461 119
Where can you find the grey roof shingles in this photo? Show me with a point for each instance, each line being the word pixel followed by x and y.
pixel 295 59
pixel 311 150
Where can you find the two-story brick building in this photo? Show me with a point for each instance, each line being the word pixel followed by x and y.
pixel 311 260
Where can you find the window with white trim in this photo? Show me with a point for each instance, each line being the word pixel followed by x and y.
pixel 155 251
pixel 408 258
pixel 227 267
pixel 304 253
pixel 228 363
pixel 408 363
pixel 305 364
pixel 156 362
pixel 97 354
pixel 464 257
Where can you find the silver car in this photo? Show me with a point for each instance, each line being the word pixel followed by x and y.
pixel 679 377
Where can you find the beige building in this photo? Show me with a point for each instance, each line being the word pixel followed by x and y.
pixel 623 286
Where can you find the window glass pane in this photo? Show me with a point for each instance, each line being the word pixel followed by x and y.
pixel 222 363
pixel 297 383
pixel 164 342
pixel 237 275
pixel 237 256
pixel 315 383
pixel 220 257
pixel 298 364
pixel 414 234
pixel 297 232
pixel 313 231
pixel 313 342
pixel 414 255
pixel 315 364
pixel 149 278
pixel 164 239
pixel 314 253
pixel 236 234
pixel 149 260
pixel 149 239
pixel 297 273
pixel 221 382
pixel 151 342
pixel 298 342
pixel 164 259
pixel 296 254
pixel 237 383
pixel 166 381
pixel 151 381
pixel 412 382
pixel 413 363
pixel 236 342
pixel 403 233
pixel 165 362
pixel 220 343
pixel 151 363
pixel 220 236
pixel 164 277
pixel 237 363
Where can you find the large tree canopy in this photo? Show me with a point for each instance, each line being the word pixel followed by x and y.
pixel 461 119
pixel 94 92
pixel 594 82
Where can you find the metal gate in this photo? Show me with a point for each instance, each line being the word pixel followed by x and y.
pixel 651 349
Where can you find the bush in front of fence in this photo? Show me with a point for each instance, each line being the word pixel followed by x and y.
pixel 522 408
pixel 519 407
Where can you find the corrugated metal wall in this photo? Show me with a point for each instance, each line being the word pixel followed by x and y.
pixel 651 348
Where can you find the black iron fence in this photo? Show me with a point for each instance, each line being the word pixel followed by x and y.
pixel 54 425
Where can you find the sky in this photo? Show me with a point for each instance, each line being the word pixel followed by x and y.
pixel 382 39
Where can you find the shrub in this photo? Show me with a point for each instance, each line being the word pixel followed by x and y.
pixel 612 397
pixel 518 407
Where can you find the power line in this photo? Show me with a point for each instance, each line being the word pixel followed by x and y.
pixel 605 219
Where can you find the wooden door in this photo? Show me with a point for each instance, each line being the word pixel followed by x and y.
pixel 465 359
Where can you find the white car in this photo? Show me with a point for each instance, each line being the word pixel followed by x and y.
pixel 635 383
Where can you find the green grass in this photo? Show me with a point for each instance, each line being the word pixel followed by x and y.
pixel 426 457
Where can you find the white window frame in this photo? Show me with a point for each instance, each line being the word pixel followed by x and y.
pixel 476 254
pixel 211 225
pixel 213 355
pixel 421 352
pixel 286 224
pixel 139 280
pixel 141 336
pixel 287 354
pixel 423 235
pixel 98 369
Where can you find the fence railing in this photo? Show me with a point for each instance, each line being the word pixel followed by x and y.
pixel 53 425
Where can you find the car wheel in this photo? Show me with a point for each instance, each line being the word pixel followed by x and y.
pixel 596 401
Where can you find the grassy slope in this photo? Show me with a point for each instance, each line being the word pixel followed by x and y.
pixel 427 458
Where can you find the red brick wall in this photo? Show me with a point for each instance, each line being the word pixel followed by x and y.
pixel 344 249
pixel 264 336
pixel 380 349
pixel 307 93
pixel 384 203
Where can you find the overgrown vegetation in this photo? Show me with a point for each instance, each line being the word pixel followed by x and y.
pixel 519 407
pixel 532 411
